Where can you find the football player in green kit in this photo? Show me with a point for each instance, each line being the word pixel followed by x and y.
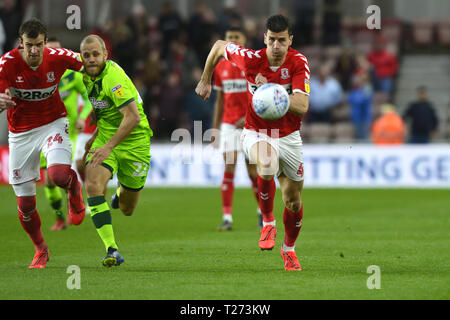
pixel 121 144
pixel 70 87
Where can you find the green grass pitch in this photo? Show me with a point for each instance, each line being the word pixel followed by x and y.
pixel 173 251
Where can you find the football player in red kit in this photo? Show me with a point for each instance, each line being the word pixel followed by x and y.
pixel 274 145
pixel 29 79
pixel 229 117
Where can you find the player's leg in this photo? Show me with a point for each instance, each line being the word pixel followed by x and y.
pixel 132 175
pixel 291 184
pixel 95 184
pixel 227 190
pixel 266 158
pixel 80 163
pixel 292 218
pixel 23 173
pixel 54 197
pixel 253 176
pixel 58 151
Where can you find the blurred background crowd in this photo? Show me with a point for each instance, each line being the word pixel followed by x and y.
pixel 389 85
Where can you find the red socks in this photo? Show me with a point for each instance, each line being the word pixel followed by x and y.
pixel 64 177
pixel 227 192
pixel 30 220
pixel 292 225
pixel 266 189
pixel 255 188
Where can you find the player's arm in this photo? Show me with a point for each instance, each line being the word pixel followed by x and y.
pixel 203 88
pixel 6 100
pixel 131 119
pixel 299 103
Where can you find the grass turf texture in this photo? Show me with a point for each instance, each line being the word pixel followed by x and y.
pixel 172 250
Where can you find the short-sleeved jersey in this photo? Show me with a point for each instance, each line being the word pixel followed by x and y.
pixel 109 92
pixel 231 81
pixel 35 90
pixel 293 75
pixel 71 87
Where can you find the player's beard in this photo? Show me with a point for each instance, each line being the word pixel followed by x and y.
pixel 94 72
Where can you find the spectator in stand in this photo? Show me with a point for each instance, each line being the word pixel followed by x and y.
pixel 170 24
pixel 360 99
pixel 346 66
pixel 326 93
pixel 389 129
pixel 170 106
pixel 385 66
pixel 229 17
pixel 123 42
pixel 305 12
pixel 422 116
pixel 11 14
pixel 331 17
pixel 104 32
pixel 202 26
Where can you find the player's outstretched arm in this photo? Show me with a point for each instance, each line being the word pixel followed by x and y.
pixel 299 103
pixel 204 88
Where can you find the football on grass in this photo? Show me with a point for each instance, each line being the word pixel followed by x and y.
pixel 270 101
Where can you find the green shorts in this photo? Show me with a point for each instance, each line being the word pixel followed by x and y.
pixel 129 162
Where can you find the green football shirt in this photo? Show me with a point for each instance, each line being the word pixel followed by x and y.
pixel 109 92
pixel 70 86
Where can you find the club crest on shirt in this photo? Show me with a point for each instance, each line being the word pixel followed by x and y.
pixel 285 73
pixel 51 76
pixel 118 91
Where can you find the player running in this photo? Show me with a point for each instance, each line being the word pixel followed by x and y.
pixel 120 145
pixel 70 88
pixel 275 145
pixel 29 78
pixel 229 116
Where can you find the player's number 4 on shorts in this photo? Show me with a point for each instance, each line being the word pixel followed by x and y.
pixel 141 169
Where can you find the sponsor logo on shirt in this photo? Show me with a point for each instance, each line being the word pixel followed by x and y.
pixel 99 104
pixel 33 94
pixel 234 85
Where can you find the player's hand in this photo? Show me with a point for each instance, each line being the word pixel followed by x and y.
pixel 203 89
pixel 240 123
pixel 6 101
pixel 260 80
pixel 79 126
pixel 99 155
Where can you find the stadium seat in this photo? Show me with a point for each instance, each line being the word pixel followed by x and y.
pixel 443 31
pixel 341 113
pixel 343 132
pixel 422 32
pixel 319 132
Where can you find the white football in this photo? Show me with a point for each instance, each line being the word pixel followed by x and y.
pixel 270 101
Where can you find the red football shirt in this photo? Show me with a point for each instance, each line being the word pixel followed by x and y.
pixel 231 81
pixel 293 75
pixel 35 91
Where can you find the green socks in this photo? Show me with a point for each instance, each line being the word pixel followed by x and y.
pixel 101 217
pixel 54 197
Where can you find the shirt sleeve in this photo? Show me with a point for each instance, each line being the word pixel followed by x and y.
pixel 3 79
pixel 119 90
pixel 301 77
pixel 240 56
pixel 69 59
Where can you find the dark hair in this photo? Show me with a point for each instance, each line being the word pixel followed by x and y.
pixel 53 39
pixel 278 23
pixel 33 28
pixel 235 29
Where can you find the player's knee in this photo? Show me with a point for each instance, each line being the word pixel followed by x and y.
pixel 27 205
pixel 93 187
pixel 293 205
pixel 127 211
pixel 60 174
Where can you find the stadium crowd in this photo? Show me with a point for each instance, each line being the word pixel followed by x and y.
pixel 353 68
